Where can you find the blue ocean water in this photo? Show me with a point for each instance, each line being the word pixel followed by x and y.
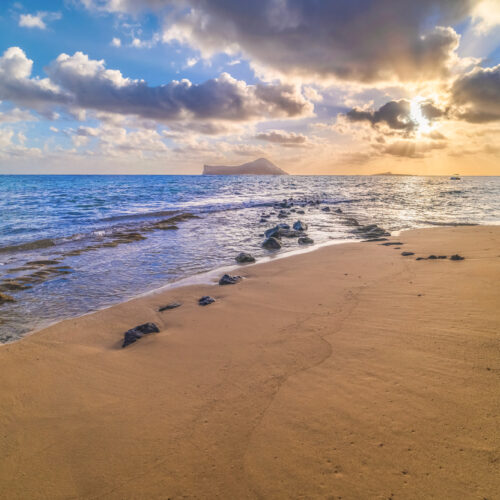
pixel 73 244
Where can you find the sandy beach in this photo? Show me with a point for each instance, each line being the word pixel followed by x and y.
pixel 348 372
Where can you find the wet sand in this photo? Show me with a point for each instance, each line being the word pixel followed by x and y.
pixel 348 372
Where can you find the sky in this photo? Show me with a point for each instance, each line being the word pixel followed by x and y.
pixel 316 86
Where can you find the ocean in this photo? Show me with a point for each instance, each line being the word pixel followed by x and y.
pixel 70 245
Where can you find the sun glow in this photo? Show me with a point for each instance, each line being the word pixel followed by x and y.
pixel 423 125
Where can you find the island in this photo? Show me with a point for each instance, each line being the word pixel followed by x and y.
pixel 261 166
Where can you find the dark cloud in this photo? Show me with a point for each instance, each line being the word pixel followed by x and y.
pixel 362 40
pixel 282 137
pixel 395 114
pixel 81 82
pixel 17 86
pixel 476 95
pixel 412 149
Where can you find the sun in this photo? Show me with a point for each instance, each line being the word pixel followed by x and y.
pixel 422 124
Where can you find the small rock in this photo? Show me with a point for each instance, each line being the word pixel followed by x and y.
pixel 305 240
pixel 205 300
pixel 338 211
pixel 442 257
pixel 136 333
pixel 263 219
pixel 432 257
pixel 271 244
pixel 420 258
pixel 371 240
pixel 172 305
pixel 243 258
pixel 229 280
pixel 457 257
pixel 325 209
pixel 301 212
pixel 406 254
pixel 389 243
pixel 350 221
pixel 300 226
pixel 6 298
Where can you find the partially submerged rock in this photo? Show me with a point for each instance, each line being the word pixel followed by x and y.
pixel 244 258
pixel 372 230
pixel 172 305
pixel 134 334
pixel 325 209
pixel 271 243
pixel 206 300
pixel 300 226
pixel 229 280
pixel 305 240
pixel 6 298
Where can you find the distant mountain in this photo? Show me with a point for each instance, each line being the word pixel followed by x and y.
pixel 257 167
pixel 390 173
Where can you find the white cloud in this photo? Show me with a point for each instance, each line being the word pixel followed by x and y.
pixel 116 42
pixel 38 20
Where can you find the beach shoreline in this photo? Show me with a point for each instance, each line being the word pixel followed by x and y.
pixel 348 371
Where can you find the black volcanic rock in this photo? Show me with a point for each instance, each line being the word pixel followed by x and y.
pixel 300 226
pixel 229 280
pixel 271 243
pixel 244 258
pixel 134 334
pixel 305 240
pixel 172 305
pixel 206 300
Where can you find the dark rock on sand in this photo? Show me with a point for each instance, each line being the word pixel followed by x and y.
pixel 206 300
pixel 300 226
pixel 390 243
pixel 136 333
pixel 229 280
pixel 406 254
pixel 172 305
pixel 442 257
pixel 305 240
pixel 243 258
pixel 271 244
pixel 372 240
pixel 432 257
pixel 420 258
pixel 457 257
pixel 5 298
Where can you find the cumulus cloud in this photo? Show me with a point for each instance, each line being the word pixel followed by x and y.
pixel 16 84
pixel 397 115
pixel 16 115
pixel 476 95
pixel 282 137
pixel 83 83
pixel 38 20
pixel 366 41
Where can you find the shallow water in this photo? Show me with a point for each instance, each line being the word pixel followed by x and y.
pixel 74 244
